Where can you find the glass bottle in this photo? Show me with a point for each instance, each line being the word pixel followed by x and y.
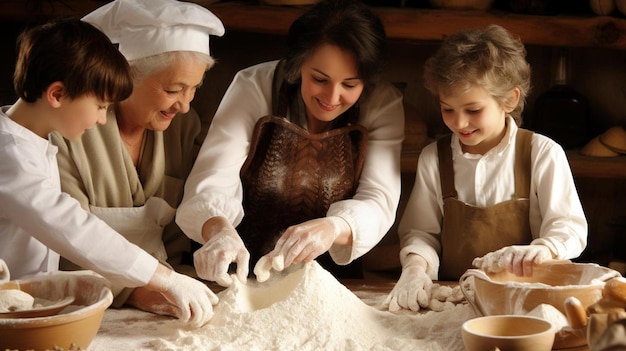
pixel 561 112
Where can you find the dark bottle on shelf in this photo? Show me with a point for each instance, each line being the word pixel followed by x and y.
pixel 561 112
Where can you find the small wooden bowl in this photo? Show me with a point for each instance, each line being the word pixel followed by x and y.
pixel 74 327
pixel 596 148
pixel 614 138
pixel 508 332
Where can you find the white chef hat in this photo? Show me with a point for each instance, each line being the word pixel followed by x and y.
pixel 144 28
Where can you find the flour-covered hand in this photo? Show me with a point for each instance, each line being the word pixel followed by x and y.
pixel 215 256
pixel 5 275
pixel 192 299
pixel 265 264
pixel 518 259
pixel 412 290
pixel 305 242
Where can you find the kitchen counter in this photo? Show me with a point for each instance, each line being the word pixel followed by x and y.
pixel 126 329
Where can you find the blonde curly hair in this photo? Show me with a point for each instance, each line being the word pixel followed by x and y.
pixel 490 58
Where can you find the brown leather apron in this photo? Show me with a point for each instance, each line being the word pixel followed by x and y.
pixel 469 231
pixel 292 176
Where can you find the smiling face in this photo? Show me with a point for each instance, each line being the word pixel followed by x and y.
pixel 160 96
pixel 475 116
pixel 330 85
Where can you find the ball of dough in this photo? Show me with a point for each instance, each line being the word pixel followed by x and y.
pixel 15 300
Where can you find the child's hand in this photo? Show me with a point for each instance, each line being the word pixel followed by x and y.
pixel 412 290
pixel 518 259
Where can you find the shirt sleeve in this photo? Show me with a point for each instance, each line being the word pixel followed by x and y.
pixel 214 187
pixel 372 210
pixel 30 191
pixel 71 180
pixel 420 226
pixel 558 212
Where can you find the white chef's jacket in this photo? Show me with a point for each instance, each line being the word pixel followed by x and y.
pixel 38 221
pixel 557 219
pixel 214 186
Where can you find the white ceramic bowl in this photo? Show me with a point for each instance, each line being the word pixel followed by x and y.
pixel 508 332
pixel 73 328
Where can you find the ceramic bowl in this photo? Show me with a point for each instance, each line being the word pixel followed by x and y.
pixel 73 327
pixel 508 332
pixel 506 293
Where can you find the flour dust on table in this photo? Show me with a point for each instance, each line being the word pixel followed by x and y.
pixel 308 309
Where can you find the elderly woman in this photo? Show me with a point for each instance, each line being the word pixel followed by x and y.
pixel 130 172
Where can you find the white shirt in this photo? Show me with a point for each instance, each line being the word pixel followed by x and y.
pixel 557 219
pixel 38 222
pixel 214 185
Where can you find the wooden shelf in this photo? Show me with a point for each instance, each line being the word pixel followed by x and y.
pixel 596 167
pixel 400 23
pixel 433 25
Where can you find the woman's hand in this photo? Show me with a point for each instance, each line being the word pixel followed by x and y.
pixel 223 247
pixel 303 243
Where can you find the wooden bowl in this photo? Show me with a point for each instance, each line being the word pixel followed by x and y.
pixel 614 138
pixel 72 328
pixel 596 148
pixel 508 332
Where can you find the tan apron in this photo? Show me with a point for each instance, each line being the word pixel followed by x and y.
pixel 469 231
pixel 143 226
pixel 291 176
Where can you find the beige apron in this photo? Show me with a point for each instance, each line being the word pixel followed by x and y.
pixel 142 226
pixel 291 176
pixel 469 231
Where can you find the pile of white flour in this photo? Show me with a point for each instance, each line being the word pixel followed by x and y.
pixel 309 309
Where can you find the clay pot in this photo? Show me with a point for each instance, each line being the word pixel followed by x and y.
pixel 73 328
pixel 508 332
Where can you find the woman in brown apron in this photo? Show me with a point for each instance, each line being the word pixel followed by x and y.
pixel 302 158
pixel 491 194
